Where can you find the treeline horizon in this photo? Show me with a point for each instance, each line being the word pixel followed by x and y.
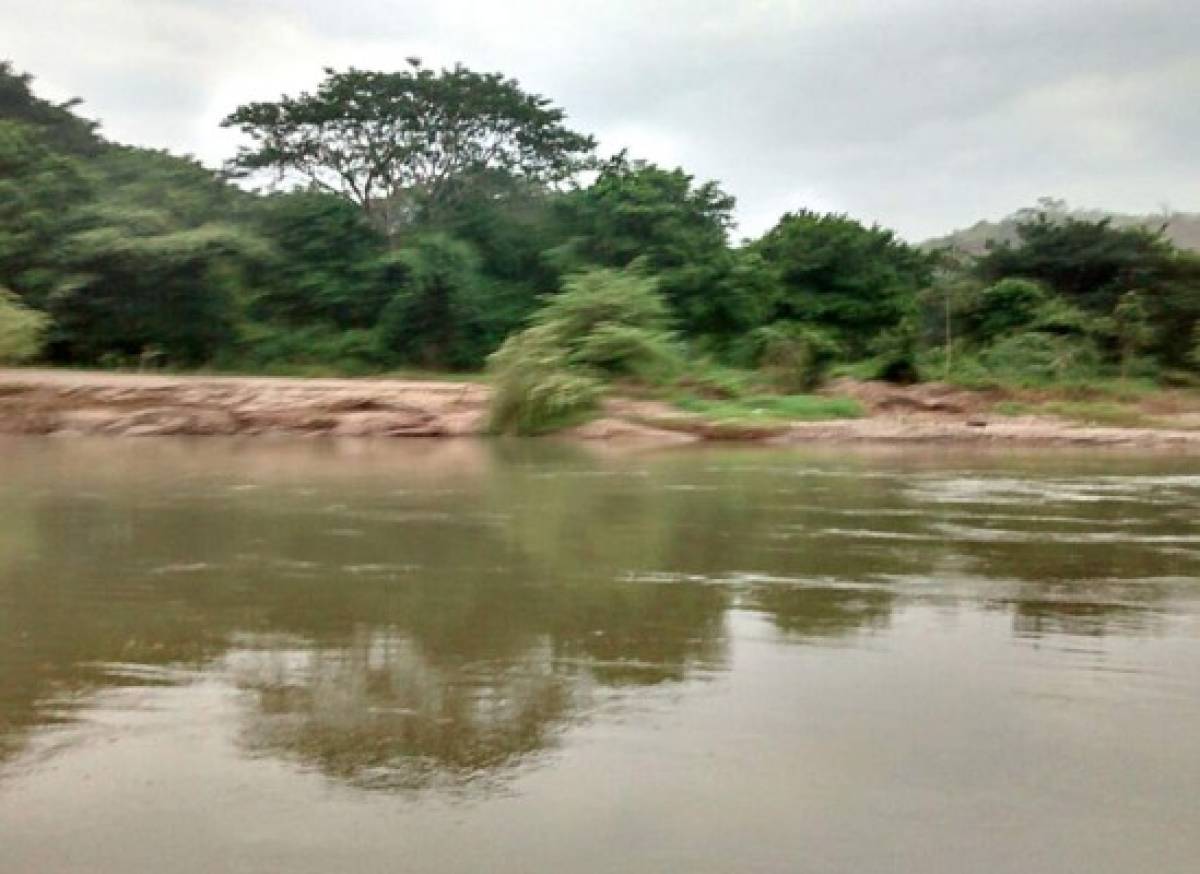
pixel 425 216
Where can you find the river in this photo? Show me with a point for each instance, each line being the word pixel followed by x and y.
pixel 462 656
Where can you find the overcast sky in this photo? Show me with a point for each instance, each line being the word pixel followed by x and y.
pixel 922 115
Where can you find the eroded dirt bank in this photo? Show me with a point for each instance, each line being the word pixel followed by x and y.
pixel 34 401
pixel 62 401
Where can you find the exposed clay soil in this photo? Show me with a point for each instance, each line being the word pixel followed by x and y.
pixel 57 401
pixel 36 401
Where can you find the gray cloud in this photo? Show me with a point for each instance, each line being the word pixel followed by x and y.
pixel 919 114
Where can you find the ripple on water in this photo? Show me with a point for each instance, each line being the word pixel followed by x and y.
pixel 1157 490
pixel 1008 535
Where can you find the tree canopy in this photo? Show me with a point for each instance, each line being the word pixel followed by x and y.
pixel 57 124
pixel 672 228
pixel 833 271
pixel 431 218
pixel 403 143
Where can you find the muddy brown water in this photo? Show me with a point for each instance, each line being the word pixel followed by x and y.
pixel 312 656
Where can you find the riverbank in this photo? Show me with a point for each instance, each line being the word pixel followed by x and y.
pixel 36 401
pixel 46 401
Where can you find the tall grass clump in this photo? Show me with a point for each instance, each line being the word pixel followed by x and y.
pixel 604 325
pixel 22 330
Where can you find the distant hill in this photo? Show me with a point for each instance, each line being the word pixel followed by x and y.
pixel 1182 228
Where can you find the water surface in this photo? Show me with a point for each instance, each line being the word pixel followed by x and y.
pixel 306 656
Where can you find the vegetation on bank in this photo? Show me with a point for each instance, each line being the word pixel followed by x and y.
pixel 773 408
pixel 449 221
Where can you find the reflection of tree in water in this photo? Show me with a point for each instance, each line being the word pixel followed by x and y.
pixel 1092 608
pixel 1067 584
pixel 436 682
pixel 816 611
pixel 405 627
pixel 380 715
pixel 440 683
pixel 439 644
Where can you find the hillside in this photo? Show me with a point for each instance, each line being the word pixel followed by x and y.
pixel 1181 228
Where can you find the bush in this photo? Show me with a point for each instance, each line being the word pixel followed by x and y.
pixel 22 330
pixel 896 354
pixel 1005 307
pixel 313 350
pixel 1035 357
pixel 794 356
pixel 614 321
pixel 435 318
pixel 604 324
pixel 537 389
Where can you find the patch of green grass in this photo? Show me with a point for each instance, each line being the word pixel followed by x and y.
pixel 1013 408
pixel 1084 412
pixel 1099 413
pixel 772 408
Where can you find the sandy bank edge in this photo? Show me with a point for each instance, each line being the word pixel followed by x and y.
pixel 44 401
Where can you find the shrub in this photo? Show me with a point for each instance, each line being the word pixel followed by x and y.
pixel 313 350
pixel 896 354
pixel 1007 306
pixel 793 355
pixel 536 387
pixel 604 324
pixel 614 321
pixel 435 318
pixel 1036 357
pixel 22 330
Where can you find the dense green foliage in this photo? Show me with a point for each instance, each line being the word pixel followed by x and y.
pixel 1118 275
pixel 435 218
pixel 640 213
pixel 63 130
pixel 831 271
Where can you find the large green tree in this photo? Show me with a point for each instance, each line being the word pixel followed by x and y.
pixel 836 273
pixel 509 223
pixel 674 229
pixel 406 143
pixel 1095 266
pixel 1092 263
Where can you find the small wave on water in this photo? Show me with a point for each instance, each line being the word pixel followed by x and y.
pixel 193 567
pixel 141 674
pixel 1007 535
pixel 380 569
pixel 1157 490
